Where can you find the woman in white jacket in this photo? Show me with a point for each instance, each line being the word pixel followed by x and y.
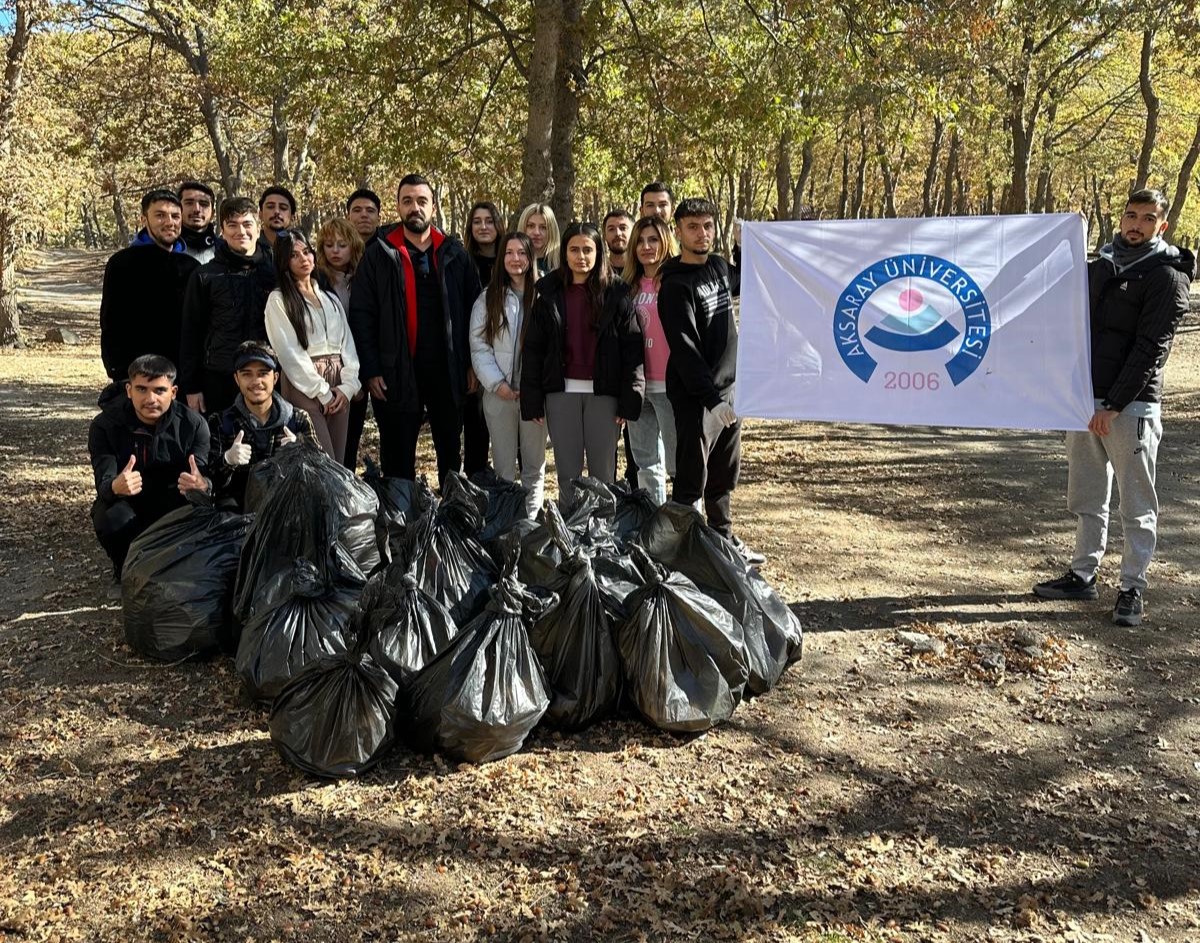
pixel 497 329
pixel 307 326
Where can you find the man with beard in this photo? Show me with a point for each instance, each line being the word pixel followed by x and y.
pixel 199 235
pixel 1138 293
pixel 362 209
pixel 276 210
pixel 410 311
pixel 141 305
pixel 657 200
pixel 148 455
pixel 616 229
pixel 224 307
pixel 259 423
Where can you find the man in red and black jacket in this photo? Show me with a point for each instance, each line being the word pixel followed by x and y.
pixel 410 312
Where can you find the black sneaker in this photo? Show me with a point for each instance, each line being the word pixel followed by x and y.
pixel 1067 586
pixel 752 557
pixel 1128 610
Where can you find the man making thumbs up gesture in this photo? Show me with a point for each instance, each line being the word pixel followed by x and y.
pixel 149 455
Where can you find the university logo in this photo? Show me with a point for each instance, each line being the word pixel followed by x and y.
pixel 909 306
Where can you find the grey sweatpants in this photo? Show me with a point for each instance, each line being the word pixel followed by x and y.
pixel 582 425
pixel 1129 452
pixel 511 434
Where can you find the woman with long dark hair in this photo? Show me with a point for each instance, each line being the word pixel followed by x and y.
pixel 581 370
pixel 482 240
pixel 498 323
pixel 652 436
pixel 307 327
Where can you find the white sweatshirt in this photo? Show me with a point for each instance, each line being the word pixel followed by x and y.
pixel 328 333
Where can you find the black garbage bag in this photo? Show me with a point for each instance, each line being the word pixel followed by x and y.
pixel 401 501
pixel 298 520
pixel 677 537
pixel 505 505
pixel 576 646
pixel 449 563
pixel 338 718
pixel 177 584
pixel 481 697
pixel 353 501
pixel 402 626
pixel 592 513
pixel 316 619
pixel 634 507
pixel 683 655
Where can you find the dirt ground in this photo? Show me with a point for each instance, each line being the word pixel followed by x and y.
pixel 874 795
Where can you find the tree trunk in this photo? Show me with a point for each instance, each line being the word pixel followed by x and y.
pixel 860 180
pixel 844 195
pixel 1152 109
pixel 783 176
pixel 537 180
pixel 807 155
pixel 931 168
pixel 14 66
pixel 571 80
pixel 951 175
pixel 1183 183
pixel 280 166
pixel 118 208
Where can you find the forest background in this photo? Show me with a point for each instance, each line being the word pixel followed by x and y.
pixel 775 110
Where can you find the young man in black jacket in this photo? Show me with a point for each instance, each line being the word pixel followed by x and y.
pixel 224 307
pixel 255 427
pixel 410 311
pixel 149 454
pixel 141 306
pixel 695 305
pixel 199 205
pixel 1138 292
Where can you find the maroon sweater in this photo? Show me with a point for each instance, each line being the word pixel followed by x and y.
pixel 580 335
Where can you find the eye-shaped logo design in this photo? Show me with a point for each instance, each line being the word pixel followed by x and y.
pixel 912 322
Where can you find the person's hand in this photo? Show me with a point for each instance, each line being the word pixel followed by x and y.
pixel 724 414
pixel 289 437
pixel 506 392
pixel 540 420
pixel 337 404
pixel 1102 421
pixel 192 480
pixel 238 453
pixel 377 387
pixel 472 381
pixel 196 401
pixel 619 420
pixel 129 482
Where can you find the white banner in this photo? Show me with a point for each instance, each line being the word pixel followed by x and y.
pixel 977 321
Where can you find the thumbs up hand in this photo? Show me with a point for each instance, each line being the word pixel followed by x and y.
pixel 129 482
pixel 238 453
pixel 289 437
pixel 192 480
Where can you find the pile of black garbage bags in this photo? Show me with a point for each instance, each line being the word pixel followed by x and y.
pixel 366 611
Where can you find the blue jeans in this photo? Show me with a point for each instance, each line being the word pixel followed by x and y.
pixel 652 439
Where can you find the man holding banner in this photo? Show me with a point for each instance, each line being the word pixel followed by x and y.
pixel 1138 291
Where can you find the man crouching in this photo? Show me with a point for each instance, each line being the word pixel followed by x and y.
pixel 259 422
pixel 149 454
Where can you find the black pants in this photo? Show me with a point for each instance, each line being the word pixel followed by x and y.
pixel 399 430
pixel 358 418
pixel 117 525
pixel 475 435
pixel 220 390
pixel 708 458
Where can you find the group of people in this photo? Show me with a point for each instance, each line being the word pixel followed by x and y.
pixel 225 341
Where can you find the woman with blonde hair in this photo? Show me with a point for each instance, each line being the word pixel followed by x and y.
pixel 652 434
pixel 339 250
pixel 538 223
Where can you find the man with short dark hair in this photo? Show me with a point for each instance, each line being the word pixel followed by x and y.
pixel 615 229
pixel 410 311
pixel 276 210
pixel 657 200
pixel 199 235
pixel 141 304
pixel 363 207
pixel 695 305
pixel 259 423
pixel 149 454
pixel 1138 293
pixel 224 307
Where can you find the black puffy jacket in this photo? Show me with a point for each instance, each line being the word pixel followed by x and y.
pixel 223 307
pixel 620 350
pixel 264 439
pixel 1134 314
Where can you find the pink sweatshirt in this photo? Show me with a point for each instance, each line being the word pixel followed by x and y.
pixel 657 351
